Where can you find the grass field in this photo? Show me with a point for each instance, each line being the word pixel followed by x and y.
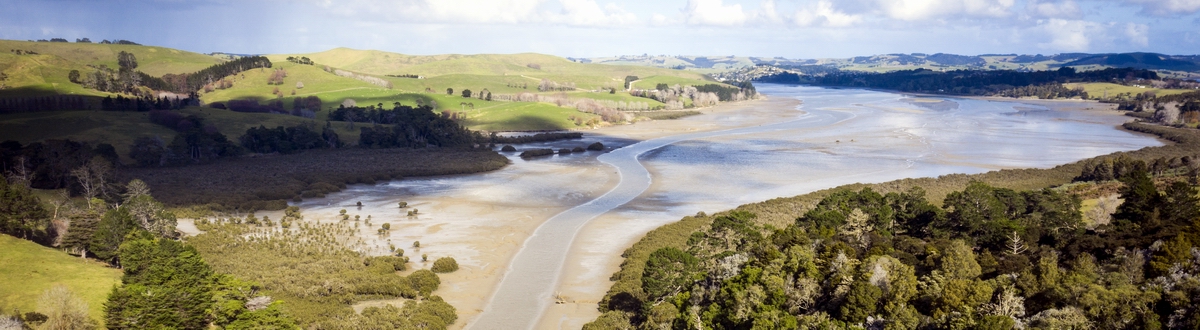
pixel 653 81
pixel 155 61
pixel 523 116
pixel 28 269
pixel 39 75
pixel 1098 90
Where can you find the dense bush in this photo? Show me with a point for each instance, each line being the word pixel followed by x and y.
pixel 289 140
pixel 444 265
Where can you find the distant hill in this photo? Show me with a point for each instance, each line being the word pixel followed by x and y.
pixel 1149 61
pixel 893 62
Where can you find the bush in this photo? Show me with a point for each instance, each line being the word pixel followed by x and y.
pixel 444 265
pixel 536 153
pixel 596 146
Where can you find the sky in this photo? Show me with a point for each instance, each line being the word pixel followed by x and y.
pixel 792 29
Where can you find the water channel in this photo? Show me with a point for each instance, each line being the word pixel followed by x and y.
pixel 515 230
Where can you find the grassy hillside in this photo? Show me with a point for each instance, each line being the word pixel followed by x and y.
pixel 152 60
pixel 39 75
pixel 1097 90
pixel 28 269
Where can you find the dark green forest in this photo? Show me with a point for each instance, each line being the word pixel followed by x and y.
pixel 1042 84
pixel 988 258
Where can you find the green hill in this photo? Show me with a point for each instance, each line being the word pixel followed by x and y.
pixel 155 61
pixel 32 69
pixel 28 269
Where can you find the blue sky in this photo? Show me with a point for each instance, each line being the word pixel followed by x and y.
pixel 589 28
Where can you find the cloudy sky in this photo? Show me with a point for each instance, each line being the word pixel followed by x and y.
pixel 589 28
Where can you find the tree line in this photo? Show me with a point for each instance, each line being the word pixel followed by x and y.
pixel 961 82
pixel 191 82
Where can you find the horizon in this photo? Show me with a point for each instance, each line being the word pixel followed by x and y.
pixel 590 28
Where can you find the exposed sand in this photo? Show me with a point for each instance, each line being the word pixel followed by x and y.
pixel 482 220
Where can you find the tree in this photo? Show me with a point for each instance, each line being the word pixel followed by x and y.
pixel 166 285
pixel 110 232
pixel 63 310
pixel 150 214
pixel 668 271
pixel 466 93
pixel 1142 201
pixel 73 76
pixel 21 212
pixel 127 61
pixel 149 151
pixel 94 177
pixel 449 91
pixel 1182 206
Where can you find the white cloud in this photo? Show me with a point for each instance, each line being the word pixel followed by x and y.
pixel 1051 9
pixel 589 13
pixel 567 12
pixel 473 11
pixel 1168 8
pixel 1068 35
pixel 713 12
pixel 823 14
pixel 917 10
pixel 767 13
pixel 1138 34
pixel 661 20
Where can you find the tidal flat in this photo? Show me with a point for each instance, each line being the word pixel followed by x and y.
pixel 538 239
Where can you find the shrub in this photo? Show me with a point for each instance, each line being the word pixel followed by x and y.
pixel 536 153
pixel 444 265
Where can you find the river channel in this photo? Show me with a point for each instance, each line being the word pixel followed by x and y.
pixel 544 229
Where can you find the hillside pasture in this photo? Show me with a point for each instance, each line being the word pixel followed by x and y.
pixel 28 269
pixel 1098 90
pixel 155 61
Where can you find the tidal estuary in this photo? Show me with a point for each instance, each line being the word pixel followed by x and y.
pixel 553 228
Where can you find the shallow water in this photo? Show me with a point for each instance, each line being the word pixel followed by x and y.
pixel 838 136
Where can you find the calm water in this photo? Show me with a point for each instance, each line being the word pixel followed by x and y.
pixel 838 136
